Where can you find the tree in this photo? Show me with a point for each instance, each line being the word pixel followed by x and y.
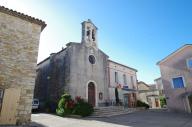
pixel 116 96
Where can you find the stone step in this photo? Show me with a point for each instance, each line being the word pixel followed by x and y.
pixel 111 114
pixel 108 108
pixel 106 113
pixel 111 111
pixel 103 111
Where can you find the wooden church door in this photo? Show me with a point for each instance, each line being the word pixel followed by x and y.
pixel 91 94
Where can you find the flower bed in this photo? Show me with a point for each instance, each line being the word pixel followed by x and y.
pixel 67 106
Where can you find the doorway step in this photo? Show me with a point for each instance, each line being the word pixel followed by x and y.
pixel 111 111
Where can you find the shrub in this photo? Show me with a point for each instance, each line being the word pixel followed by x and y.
pixel 142 104
pixel 65 105
pixel 163 101
pixel 82 107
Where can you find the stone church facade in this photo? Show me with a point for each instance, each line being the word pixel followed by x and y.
pixel 81 69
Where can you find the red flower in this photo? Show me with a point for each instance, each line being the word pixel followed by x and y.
pixel 70 104
pixel 78 98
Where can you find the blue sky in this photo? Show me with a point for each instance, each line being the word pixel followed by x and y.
pixel 137 33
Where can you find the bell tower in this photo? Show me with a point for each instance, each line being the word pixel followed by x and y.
pixel 89 34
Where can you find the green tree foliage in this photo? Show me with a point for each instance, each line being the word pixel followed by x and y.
pixel 65 105
pixel 163 101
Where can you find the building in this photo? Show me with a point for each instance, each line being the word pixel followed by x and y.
pixel 124 80
pixel 159 85
pixel 81 69
pixel 19 40
pixel 176 77
pixel 149 94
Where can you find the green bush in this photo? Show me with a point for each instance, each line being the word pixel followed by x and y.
pixel 82 107
pixel 163 101
pixel 142 104
pixel 67 106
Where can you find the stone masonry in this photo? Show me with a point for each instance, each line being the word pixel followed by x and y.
pixel 19 41
pixel 70 70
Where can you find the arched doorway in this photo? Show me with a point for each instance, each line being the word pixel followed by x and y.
pixel 91 93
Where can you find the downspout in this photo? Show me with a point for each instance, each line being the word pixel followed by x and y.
pixel 109 84
pixel 188 105
pixel 184 104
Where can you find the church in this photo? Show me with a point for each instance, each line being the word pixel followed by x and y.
pixel 82 69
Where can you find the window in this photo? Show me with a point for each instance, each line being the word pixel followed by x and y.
pixel 132 82
pixel 92 59
pixel 1 98
pixel 125 79
pixel 93 35
pixel 189 63
pixel 116 77
pixel 178 82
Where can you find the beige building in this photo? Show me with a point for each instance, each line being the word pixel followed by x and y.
pixel 176 75
pixel 149 94
pixel 124 79
pixel 159 85
pixel 19 40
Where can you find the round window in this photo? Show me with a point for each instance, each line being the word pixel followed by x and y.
pixel 92 59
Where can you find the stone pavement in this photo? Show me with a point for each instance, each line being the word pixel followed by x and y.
pixel 47 120
pixel 151 118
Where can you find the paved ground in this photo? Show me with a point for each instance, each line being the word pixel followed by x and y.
pixel 136 119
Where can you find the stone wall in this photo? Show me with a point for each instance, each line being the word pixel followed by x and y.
pixel 121 72
pixel 52 77
pixel 70 71
pixel 176 66
pixel 19 40
pixel 83 72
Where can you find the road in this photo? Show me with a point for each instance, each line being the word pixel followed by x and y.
pixel 149 118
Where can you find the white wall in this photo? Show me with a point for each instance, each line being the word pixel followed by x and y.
pixel 121 70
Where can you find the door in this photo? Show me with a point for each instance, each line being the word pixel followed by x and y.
pixel 156 102
pixel 130 97
pixel 125 100
pixel 91 93
pixel 9 106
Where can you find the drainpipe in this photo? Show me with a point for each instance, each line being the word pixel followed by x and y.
pixel 185 102
pixel 184 105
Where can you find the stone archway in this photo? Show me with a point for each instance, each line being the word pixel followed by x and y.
pixel 91 93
